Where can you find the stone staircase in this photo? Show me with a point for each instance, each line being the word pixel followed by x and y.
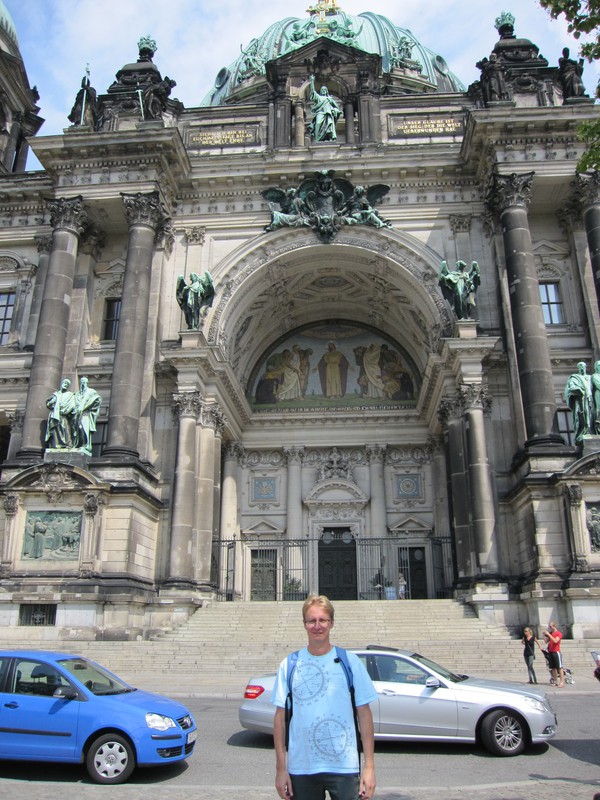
pixel 224 644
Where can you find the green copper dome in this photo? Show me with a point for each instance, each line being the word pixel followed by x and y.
pixel 7 24
pixel 369 32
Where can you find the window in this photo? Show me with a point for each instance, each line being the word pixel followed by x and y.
pixel 37 614
pixel 564 422
pixel 551 304
pixel 7 307
pixel 99 438
pixel 112 314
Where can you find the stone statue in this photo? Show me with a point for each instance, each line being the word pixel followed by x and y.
pixel 493 79
pixel 595 380
pixel 60 429
pixel 359 209
pixel 85 110
pixel 155 98
pixel 578 396
pixel 459 287
pixel 87 408
pixel 326 113
pixel 570 72
pixel 195 298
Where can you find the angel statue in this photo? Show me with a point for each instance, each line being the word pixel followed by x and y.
pixel 358 209
pixel 195 297
pixel 459 287
pixel 292 208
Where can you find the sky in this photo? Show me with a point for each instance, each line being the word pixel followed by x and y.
pixel 195 38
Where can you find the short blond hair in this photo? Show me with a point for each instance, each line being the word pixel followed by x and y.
pixel 317 600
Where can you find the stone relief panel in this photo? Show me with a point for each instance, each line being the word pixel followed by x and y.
pixel 592 518
pixel 334 365
pixel 408 488
pixel 52 535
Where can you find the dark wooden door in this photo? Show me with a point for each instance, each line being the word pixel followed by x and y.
pixel 337 564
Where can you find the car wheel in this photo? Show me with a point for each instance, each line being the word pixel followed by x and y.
pixel 110 759
pixel 503 733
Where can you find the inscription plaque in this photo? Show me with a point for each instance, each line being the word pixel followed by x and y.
pixel 403 127
pixel 200 138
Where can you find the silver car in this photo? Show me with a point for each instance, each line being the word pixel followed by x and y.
pixel 418 700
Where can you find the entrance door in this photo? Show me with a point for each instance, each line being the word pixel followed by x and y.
pixel 263 574
pixel 413 564
pixel 337 564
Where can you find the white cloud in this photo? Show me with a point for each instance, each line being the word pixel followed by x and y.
pixel 197 37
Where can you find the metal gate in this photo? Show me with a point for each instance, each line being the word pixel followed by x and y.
pixel 410 566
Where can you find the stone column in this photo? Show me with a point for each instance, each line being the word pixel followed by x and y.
pixel 294 457
pixel 68 219
pixel 449 415
pixel 181 568
pixel 208 419
pixel 145 215
pixel 11 507
pixel 579 534
pixel 508 199
pixel 589 192
pixel 44 246
pixel 349 118
pixel 229 492
pixel 300 125
pixel 481 491
pixel 375 454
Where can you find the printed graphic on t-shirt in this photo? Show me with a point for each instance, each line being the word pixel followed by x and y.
pixel 310 682
pixel 329 737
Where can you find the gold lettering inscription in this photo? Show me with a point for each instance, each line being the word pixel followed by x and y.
pixel 435 126
pixel 219 138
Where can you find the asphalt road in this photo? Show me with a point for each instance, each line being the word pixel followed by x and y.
pixel 230 761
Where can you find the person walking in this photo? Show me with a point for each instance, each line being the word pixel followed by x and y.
pixel 529 643
pixel 553 638
pixel 322 695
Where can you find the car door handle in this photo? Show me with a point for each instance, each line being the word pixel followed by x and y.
pixel 14 704
pixel 389 693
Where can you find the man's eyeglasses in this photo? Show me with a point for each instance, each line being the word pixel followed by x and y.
pixel 313 622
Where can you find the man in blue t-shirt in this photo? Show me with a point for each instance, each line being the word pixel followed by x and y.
pixel 322 749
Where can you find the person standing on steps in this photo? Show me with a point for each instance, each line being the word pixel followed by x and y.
pixel 529 643
pixel 554 637
pixel 322 695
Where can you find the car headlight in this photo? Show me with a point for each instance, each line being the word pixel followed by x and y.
pixel 159 723
pixel 536 704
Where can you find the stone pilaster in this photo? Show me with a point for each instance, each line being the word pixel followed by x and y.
pixel 230 491
pixel 375 456
pixel 68 219
pixel 181 568
pixel 208 419
pixel 44 247
pixel 508 199
pixel 577 526
pixel 294 456
pixel 146 217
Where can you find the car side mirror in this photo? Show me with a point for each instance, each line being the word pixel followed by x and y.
pixel 432 683
pixel 65 693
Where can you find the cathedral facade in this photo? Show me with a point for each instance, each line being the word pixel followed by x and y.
pixel 311 335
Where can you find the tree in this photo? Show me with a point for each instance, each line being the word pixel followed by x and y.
pixel 583 17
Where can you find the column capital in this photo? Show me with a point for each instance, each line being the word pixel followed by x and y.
pixel 375 453
pixel 11 504
pixel 574 494
pixel 588 188
pixel 144 209
pixel 473 395
pixel 460 223
pixel 507 191
pixel 187 404
pixel 43 242
pixel 68 213
pixel 211 416
pixel 234 451
pixel 294 455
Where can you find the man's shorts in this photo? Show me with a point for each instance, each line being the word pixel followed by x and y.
pixel 312 787
pixel 554 661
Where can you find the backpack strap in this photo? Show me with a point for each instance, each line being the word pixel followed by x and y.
pixel 292 661
pixel 342 657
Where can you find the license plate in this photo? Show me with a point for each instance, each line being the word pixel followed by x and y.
pixel 191 737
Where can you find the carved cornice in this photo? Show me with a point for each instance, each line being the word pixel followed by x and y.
pixel 70 214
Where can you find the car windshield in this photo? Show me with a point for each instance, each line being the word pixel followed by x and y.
pixel 441 671
pixel 94 678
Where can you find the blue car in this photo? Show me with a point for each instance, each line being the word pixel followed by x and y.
pixel 63 708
